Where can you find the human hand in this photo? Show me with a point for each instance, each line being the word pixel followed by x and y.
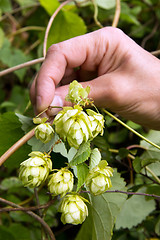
pixel 122 76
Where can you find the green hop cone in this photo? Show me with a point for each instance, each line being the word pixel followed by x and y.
pixel 98 180
pixel 73 125
pixel 35 170
pixel 77 94
pixel 61 182
pixel 97 122
pixel 44 132
pixel 73 209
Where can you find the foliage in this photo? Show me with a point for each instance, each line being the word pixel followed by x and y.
pixel 112 215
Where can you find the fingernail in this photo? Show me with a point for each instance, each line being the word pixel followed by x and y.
pixel 57 101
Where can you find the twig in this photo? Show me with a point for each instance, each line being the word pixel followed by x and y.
pixel 149 36
pixel 131 129
pixel 23 65
pixel 25 29
pixel 38 203
pixel 117 13
pixel 156 53
pixel 96 14
pixel 129 193
pixel 34 45
pixel 18 10
pixel 16 146
pixel 50 24
pixel 35 216
pixel 33 208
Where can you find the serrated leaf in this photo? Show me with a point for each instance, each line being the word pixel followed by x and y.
pixel 59 146
pixel 134 211
pixel 27 122
pixel 82 154
pixel 10 133
pixel 106 4
pixel 82 172
pixel 95 158
pixel 103 212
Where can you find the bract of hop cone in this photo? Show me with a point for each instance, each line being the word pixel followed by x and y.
pixel 61 182
pixel 73 209
pixel 35 170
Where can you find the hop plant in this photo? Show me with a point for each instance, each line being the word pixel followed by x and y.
pixel 35 170
pixel 97 122
pixel 61 182
pixel 73 209
pixel 77 94
pixel 73 125
pixel 98 180
pixel 44 132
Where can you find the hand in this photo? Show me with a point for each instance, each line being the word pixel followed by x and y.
pixel 122 76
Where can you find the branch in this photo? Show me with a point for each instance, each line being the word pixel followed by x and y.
pixel 25 29
pixel 117 13
pixel 23 65
pixel 16 146
pixel 50 24
pixel 96 14
pixel 129 193
pixel 131 129
pixel 35 216
pixel 25 209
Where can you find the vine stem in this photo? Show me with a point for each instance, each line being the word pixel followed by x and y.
pixel 117 13
pixel 16 146
pixel 32 214
pixel 25 29
pixel 129 193
pixel 23 65
pixel 50 24
pixel 131 129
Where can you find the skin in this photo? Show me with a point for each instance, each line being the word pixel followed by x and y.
pixel 122 76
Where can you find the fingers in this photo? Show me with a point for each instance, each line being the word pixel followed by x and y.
pixel 85 51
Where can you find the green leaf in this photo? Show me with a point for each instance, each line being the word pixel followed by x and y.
pixel 10 133
pixel 123 152
pixel 137 164
pixel 20 232
pixel 11 57
pixel 157 228
pixel 5 233
pixel 151 152
pixel 1 37
pixel 10 182
pixel 103 212
pixel 106 4
pixel 82 154
pixel 26 2
pixel 95 158
pixel 5 5
pixel 49 5
pixel 134 211
pixel 66 25
pixel 82 172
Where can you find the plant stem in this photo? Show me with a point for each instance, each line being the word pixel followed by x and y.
pixel 131 129
pixel 25 29
pixel 23 65
pixel 16 146
pixel 50 24
pixel 35 216
pixel 117 13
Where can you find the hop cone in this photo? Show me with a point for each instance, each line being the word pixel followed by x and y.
pixel 98 180
pixel 35 169
pixel 61 182
pixel 44 132
pixel 77 94
pixel 73 125
pixel 97 122
pixel 73 209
